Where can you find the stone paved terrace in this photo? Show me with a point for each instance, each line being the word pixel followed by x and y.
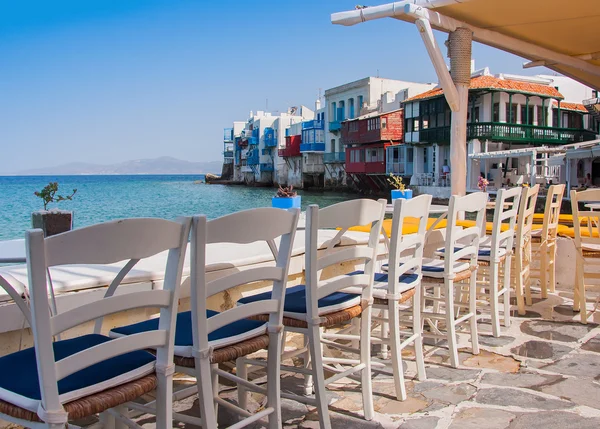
pixel 544 372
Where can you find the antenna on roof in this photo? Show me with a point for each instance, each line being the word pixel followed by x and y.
pixel 377 72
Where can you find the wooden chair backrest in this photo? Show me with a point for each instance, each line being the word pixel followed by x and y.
pixel 248 226
pixel 406 251
pixel 343 216
pixel 586 222
pixel 529 197
pixel 552 212
pixel 463 244
pixel 505 215
pixel 105 243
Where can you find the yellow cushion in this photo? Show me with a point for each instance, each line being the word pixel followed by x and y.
pixel 411 226
pixel 566 231
pixel 488 225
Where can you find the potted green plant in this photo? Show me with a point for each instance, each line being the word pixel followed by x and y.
pixel 399 190
pixel 52 221
pixel 286 198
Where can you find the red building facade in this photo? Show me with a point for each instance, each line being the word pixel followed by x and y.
pixel 366 138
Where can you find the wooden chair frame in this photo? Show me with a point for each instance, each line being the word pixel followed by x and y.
pixel 587 245
pixel 405 257
pixel 461 245
pixel 523 247
pixel 501 249
pixel 104 243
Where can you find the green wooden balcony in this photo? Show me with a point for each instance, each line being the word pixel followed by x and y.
pixel 519 133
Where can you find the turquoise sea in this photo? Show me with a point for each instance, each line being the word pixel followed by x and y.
pixel 102 198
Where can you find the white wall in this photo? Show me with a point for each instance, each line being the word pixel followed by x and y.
pixel 573 91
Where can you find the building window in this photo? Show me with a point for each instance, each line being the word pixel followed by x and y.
pixel 524 118
pixel 353 126
pixel 373 124
pixel 332 145
pixel 351 108
pixel 360 103
pixel 383 123
pixel 342 111
pixel 541 116
pixel 511 113
pixel 496 113
pixel 334 111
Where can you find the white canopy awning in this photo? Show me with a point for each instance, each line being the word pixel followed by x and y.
pixel 515 153
pixel 560 35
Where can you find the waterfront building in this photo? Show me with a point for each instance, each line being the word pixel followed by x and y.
pixel 351 100
pixel 262 136
pixel 505 112
pixel 303 153
pixel 366 139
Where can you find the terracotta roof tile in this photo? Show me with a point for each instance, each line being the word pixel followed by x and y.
pixel 491 82
pixel 571 106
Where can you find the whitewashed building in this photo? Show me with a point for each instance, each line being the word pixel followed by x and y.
pixel 505 112
pixel 351 100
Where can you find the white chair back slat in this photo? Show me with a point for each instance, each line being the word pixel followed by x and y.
pixel 342 215
pixel 102 244
pixel 327 287
pixel 463 244
pixel 264 224
pixel 406 251
pixel 113 287
pixel 112 305
pixel 110 242
pixel 348 214
pixel 586 223
pixel 246 311
pixel 525 217
pixel 93 355
pixel 552 211
pixel 344 255
pixel 245 277
pixel 248 226
pixel 505 216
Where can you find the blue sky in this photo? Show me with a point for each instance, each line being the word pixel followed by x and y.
pixel 106 81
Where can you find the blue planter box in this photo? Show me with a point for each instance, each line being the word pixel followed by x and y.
pixel 406 194
pixel 286 202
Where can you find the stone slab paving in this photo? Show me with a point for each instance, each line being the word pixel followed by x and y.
pixel 542 373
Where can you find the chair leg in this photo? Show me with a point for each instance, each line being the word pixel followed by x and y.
pixel 242 372
pixel 519 285
pixel 418 331
pixel 576 299
pixel 204 380
pixel 385 333
pixel 552 268
pixel 396 351
pixel 355 331
pixel 122 410
pixel 306 356
pixel 544 270
pixel 316 352
pixel 507 290
pixel 215 386
pixel 581 286
pixel 450 326
pixel 164 400
pixel 473 311
pixel 107 420
pixel 365 358
pixel 273 379
pixel 494 298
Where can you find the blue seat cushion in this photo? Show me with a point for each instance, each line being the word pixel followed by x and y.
pixel 233 333
pixel 295 302
pixel 484 252
pixel 435 267
pixel 19 384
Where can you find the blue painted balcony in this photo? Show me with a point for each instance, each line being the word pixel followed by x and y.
pixel 253 140
pixel 267 167
pixel 335 126
pixel 334 157
pixel 312 147
pixel 255 132
pixel 270 140
pixel 314 124
pixel 228 135
pixel 228 154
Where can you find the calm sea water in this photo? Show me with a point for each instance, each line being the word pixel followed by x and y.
pixel 102 198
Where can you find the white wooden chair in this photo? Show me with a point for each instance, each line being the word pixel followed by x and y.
pixel 322 304
pixel 458 269
pixel 494 257
pixel 205 338
pixel 587 244
pixel 401 283
pixel 544 240
pixel 56 382
pixel 523 247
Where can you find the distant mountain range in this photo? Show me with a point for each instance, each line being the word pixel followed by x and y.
pixel 162 165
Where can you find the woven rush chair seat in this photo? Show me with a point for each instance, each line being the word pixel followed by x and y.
pixel 229 342
pixel 229 353
pixel 93 404
pixel 433 271
pixel 590 250
pixel 92 390
pixel 483 256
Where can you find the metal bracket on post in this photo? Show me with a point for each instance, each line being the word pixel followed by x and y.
pixel 439 64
